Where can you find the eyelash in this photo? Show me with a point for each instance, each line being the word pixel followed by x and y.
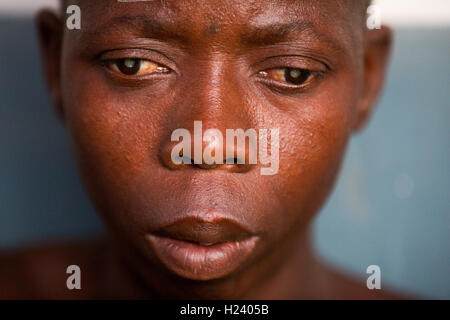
pixel 282 75
pixel 280 79
pixel 135 65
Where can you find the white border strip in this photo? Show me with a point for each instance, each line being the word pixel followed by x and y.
pixel 404 13
pixel 415 13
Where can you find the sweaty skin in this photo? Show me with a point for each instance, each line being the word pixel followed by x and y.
pixel 133 74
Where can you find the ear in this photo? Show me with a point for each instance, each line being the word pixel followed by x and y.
pixel 50 34
pixel 377 47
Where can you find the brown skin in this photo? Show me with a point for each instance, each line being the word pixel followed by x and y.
pixel 214 51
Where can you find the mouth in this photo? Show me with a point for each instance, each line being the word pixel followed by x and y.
pixel 198 249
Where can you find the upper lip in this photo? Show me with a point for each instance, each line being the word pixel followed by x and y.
pixel 202 231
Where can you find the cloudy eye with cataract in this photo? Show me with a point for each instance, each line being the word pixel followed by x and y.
pixel 136 67
pixel 292 76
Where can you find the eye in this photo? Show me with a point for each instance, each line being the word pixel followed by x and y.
pixel 290 76
pixel 136 67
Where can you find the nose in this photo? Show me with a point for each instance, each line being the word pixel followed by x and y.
pixel 207 149
pixel 210 99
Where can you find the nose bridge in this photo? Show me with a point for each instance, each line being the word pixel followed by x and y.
pixel 212 94
pixel 215 94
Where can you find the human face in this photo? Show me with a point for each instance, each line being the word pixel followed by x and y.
pixel 136 72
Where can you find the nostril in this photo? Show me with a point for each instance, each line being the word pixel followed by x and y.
pixel 174 161
pixel 235 160
pixel 237 165
pixel 206 166
pixel 182 159
pixel 185 155
pixel 229 163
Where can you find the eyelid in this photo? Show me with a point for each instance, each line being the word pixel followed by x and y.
pixel 138 53
pixel 156 68
pixel 291 61
pixel 286 87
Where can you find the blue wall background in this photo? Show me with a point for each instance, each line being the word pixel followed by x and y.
pixel 391 206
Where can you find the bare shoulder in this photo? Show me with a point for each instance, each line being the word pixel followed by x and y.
pixel 40 272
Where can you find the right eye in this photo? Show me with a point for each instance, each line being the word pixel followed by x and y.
pixel 292 76
pixel 135 67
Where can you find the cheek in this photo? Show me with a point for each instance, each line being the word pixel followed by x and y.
pixel 115 136
pixel 103 133
pixel 314 138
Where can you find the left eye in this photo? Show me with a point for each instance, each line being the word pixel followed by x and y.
pixel 293 76
pixel 136 67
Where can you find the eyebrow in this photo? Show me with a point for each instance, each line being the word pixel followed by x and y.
pixel 163 29
pixel 284 32
pixel 150 26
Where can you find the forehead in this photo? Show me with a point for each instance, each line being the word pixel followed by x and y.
pixel 336 23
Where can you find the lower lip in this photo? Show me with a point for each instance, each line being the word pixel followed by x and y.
pixel 199 262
